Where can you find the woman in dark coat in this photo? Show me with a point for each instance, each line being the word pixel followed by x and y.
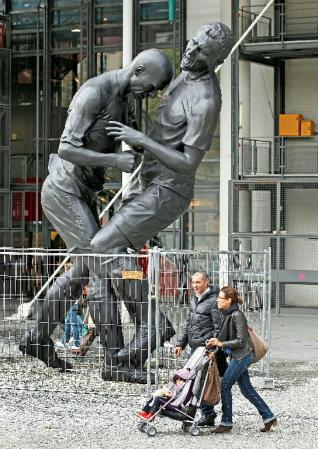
pixel 234 340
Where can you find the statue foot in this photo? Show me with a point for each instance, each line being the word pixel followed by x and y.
pixel 33 345
pixel 140 341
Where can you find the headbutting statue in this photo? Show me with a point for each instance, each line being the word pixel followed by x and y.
pixel 181 135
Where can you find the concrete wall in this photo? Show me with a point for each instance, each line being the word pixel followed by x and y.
pixel 261 101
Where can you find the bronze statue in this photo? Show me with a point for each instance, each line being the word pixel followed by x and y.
pixel 181 135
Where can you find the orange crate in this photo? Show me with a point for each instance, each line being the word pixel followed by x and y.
pixel 307 128
pixel 289 124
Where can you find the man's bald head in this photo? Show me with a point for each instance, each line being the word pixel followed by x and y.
pixel 151 71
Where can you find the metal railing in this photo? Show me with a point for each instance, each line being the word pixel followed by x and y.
pixel 264 27
pixel 283 21
pixel 151 301
pixel 256 157
pixel 277 157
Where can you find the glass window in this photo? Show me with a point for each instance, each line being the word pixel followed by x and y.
pixel 69 71
pixel 63 3
pixel 69 27
pixel 157 34
pixel 23 99
pixel 205 199
pixel 4 77
pixel 4 169
pixel 106 61
pixel 26 21
pixel 203 222
pixel 108 24
pixel 16 5
pixel 4 205
pixel 214 151
pixel 109 13
pixel 24 31
pixel 109 36
pixel 4 127
pixel 151 11
pixel 203 243
pixel 208 173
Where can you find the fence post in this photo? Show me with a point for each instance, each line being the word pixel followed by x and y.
pixel 150 286
pixel 266 312
pixel 153 294
pixel 269 304
pixel 157 257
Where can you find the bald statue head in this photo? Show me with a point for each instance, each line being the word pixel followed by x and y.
pixel 151 71
pixel 208 48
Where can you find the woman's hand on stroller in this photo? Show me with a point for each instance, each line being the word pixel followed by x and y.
pixel 212 343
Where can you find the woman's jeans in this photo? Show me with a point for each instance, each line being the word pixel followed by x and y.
pixel 237 371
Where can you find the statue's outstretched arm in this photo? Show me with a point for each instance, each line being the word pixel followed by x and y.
pixel 186 162
pixel 86 157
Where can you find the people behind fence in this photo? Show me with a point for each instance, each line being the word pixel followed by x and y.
pixel 234 339
pixel 73 328
pixel 203 322
pixel 163 395
pixel 89 330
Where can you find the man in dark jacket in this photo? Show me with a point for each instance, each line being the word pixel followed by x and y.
pixel 203 321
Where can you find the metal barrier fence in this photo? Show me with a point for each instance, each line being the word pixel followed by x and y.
pixel 135 302
pixel 274 212
pixel 249 272
pixel 277 157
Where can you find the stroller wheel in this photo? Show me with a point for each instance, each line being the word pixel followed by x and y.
pixel 195 431
pixel 185 427
pixel 142 426
pixel 151 431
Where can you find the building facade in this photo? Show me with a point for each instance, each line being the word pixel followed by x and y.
pixel 54 47
pixel 274 187
pixel 254 188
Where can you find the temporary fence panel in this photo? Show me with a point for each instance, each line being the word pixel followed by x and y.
pixel 249 272
pixel 151 292
pixel 281 214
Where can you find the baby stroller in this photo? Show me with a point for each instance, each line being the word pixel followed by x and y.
pixel 185 405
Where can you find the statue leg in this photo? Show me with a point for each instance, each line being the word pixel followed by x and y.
pixel 103 306
pixel 58 300
pixel 134 293
pixel 135 296
pixel 76 223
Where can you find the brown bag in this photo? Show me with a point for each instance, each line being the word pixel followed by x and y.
pixel 259 345
pixel 212 390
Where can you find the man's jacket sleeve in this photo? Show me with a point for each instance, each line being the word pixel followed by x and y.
pixel 216 316
pixel 184 338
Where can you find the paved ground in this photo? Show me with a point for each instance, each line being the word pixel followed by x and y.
pixel 46 420
pixel 294 338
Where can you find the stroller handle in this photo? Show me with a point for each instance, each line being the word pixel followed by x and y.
pixel 213 351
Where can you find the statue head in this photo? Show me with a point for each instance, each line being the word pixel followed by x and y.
pixel 208 48
pixel 151 71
